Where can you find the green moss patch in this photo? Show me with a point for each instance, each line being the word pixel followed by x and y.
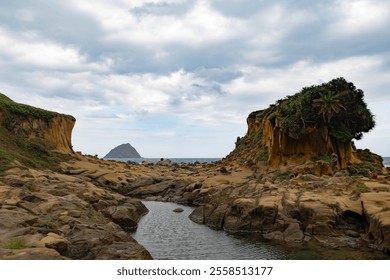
pixel 15 244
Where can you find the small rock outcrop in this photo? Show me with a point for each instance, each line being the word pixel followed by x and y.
pixel 123 151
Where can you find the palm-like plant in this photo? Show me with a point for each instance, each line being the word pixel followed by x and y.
pixel 329 104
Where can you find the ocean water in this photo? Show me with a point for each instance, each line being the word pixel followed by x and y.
pixel 386 161
pixel 175 160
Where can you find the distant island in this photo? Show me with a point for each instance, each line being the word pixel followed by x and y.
pixel 123 151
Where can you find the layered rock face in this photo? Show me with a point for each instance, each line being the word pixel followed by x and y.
pixel 32 123
pixel 284 150
pixel 57 131
pixel 267 146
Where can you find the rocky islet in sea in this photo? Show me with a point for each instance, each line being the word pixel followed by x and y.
pixel 123 151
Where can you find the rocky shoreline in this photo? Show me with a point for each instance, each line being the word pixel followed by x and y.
pixel 86 210
pixel 293 182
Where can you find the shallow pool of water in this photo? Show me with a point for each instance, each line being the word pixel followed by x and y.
pixel 169 235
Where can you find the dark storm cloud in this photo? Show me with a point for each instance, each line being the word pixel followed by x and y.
pixel 51 20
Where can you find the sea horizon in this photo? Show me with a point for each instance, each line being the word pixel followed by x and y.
pixel 386 161
pixel 185 160
pixel 173 159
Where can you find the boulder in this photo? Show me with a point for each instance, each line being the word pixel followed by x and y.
pixel 178 210
pixel 198 216
pixel 323 168
pixel 127 216
pixel 121 251
pixel 211 215
pixel 293 233
pixel 56 242
pixel 83 239
pixel 376 209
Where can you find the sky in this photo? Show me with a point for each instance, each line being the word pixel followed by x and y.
pixel 178 78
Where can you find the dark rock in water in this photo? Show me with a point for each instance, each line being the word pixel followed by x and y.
pixel 123 151
pixel 178 210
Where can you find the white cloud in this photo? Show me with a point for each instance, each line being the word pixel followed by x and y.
pixel 158 94
pixel 179 72
pixel 28 49
pixel 260 86
pixel 35 52
pixel 359 17
pixel 201 25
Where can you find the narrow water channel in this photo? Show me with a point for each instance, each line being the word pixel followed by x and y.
pixel 169 235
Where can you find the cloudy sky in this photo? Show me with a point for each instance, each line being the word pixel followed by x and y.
pixel 177 78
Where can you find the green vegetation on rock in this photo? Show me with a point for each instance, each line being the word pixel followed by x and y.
pixel 337 105
pixel 11 108
pixel 16 147
pixel 29 152
pixel 15 244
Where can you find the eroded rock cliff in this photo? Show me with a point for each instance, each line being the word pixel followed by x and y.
pixel 274 146
pixel 317 124
pixel 46 214
pixel 33 123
